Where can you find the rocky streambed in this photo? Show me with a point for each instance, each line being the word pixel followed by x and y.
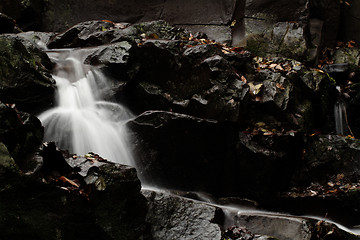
pixel 250 130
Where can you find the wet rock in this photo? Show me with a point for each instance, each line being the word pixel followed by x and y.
pixel 7 163
pixel 173 217
pixel 264 164
pixel 235 233
pixel 115 61
pixel 292 228
pixel 105 203
pixel 25 78
pixel 95 33
pixel 352 105
pixel 167 143
pixel 288 95
pixel 326 180
pixel 282 39
pixel 195 80
pixel 84 34
pixel 350 56
pixel 309 25
pixel 21 132
pixel 280 11
pixel 38 39
pixel 328 155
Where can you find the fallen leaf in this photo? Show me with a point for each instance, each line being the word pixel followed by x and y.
pixel 272 65
pixel 66 180
pixel 243 79
pixel 313 193
pixel 255 89
pixel 279 67
pixel 268 133
pixel 331 184
pixel 279 86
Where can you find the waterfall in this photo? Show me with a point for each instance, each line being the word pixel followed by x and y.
pixel 82 121
pixel 340 115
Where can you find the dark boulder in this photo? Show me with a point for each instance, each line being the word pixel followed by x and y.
pixel 174 217
pixel 180 151
pixel 326 156
pixel 293 228
pixel 287 95
pixel 280 11
pixel 326 181
pixel 21 132
pixel 264 165
pixel 192 79
pixel 95 33
pixel 100 198
pixel 25 75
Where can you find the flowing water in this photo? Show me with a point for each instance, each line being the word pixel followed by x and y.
pixel 82 121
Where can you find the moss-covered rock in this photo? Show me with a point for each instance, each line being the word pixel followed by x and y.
pixel 25 75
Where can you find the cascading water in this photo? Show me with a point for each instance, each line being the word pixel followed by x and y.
pixel 82 121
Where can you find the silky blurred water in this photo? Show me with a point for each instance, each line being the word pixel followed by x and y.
pixel 82 121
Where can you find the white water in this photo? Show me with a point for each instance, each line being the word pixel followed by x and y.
pixel 340 118
pixel 82 120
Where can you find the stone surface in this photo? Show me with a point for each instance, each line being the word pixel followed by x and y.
pixel 282 39
pixel 48 202
pixel 59 15
pixel 173 217
pixel 25 78
pixel 97 32
pixel 292 228
pixel 328 155
pixel 264 164
pixel 7 163
pixel 20 132
pixel 166 144
pixel 279 11
pixel 187 80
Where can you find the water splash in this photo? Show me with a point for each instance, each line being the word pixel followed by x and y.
pixel 82 120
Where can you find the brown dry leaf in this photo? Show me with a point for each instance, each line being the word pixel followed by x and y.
pixel 273 65
pixel 268 133
pixel 108 21
pixel 319 70
pixel 331 184
pixel 243 79
pixel 66 180
pixel 279 86
pixel 261 65
pixel 152 36
pixel 255 89
pixel 313 193
pixel 279 67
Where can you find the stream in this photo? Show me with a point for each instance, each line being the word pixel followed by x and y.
pixel 83 120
